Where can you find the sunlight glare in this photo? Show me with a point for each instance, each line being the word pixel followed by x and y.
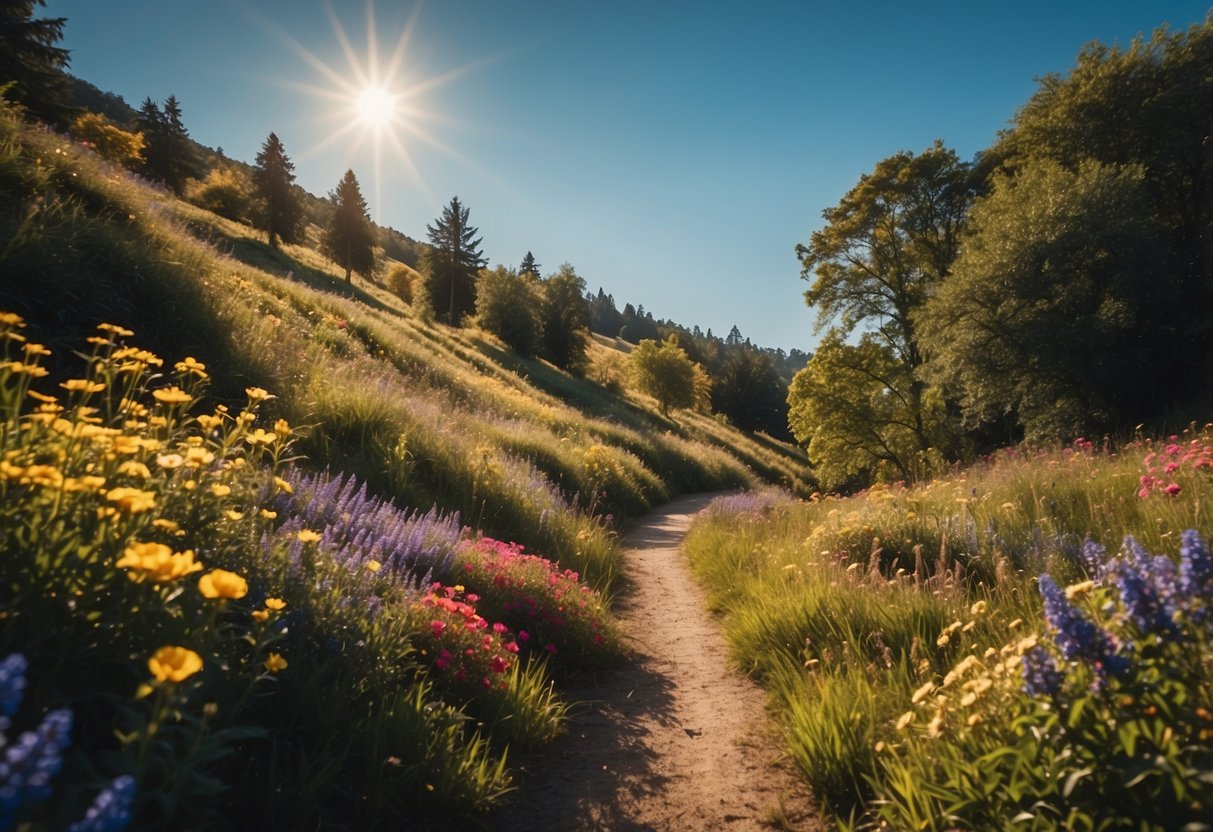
pixel 376 106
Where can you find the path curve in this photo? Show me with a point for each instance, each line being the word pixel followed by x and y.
pixel 672 740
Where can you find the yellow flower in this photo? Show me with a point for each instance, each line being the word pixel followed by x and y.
pixel 11 319
pixel 1018 622
pixel 174 664
pixel 170 461
pixel 234 515
pixel 978 608
pixel 922 692
pixel 167 525
pixel 36 396
pixel 82 385
pixel 36 349
pixel 220 490
pixel 132 500
pixel 209 423
pixel 268 515
pixel 131 468
pixel 32 370
pixel 172 395
pixel 905 720
pixel 219 583
pixel 191 365
pixel 158 562
pixel 1079 589
pixel 282 428
pixel 283 485
pixel 374 565
pixel 257 394
pixel 261 436
pixel 935 726
pixel 114 329
pixel 197 457
pixel 275 663
pixel 275 603
pixel 943 640
pixel 308 536
pixel 260 615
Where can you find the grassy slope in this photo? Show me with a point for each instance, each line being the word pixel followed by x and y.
pixel 426 414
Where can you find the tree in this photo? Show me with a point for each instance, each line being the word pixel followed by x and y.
pixel 31 61
pixel 884 247
pixel 529 266
pixel 1050 312
pixel 850 409
pixel 604 315
pixel 349 240
pixel 452 263
pixel 749 391
pixel 169 154
pixel 278 210
pixel 508 304
pixel 663 371
pixel 109 140
pixel 566 320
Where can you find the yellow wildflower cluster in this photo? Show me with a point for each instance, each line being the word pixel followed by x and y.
pixel 157 562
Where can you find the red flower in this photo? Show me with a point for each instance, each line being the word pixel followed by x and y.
pixel 437 627
pixel 500 665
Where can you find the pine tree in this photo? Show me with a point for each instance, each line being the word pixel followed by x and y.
pixel 31 61
pixel 452 264
pixel 278 210
pixel 349 240
pixel 168 153
pixel 529 265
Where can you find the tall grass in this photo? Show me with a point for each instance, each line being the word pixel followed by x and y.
pixel 844 607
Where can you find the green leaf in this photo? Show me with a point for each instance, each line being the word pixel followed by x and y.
pixel 1073 780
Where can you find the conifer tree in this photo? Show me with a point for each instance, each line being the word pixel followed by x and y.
pixel 168 153
pixel 452 264
pixel 33 63
pixel 529 266
pixel 349 240
pixel 277 211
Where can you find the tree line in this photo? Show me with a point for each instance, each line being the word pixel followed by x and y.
pixel 1058 285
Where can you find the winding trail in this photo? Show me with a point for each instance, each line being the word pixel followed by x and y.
pixel 673 739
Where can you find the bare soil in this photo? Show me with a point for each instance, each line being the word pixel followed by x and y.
pixel 673 739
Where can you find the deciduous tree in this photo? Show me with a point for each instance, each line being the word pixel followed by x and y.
pixel 663 371
pixel 566 319
pixel 508 304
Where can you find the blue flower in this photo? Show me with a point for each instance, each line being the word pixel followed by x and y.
pixel 12 685
pixel 30 763
pixel 1148 588
pixel 1078 636
pixel 111 810
pixel 1095 557
pixel 1195 575
pixel 1040 674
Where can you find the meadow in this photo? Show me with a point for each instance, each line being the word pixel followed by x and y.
pixel 266 535
pixel 1025 644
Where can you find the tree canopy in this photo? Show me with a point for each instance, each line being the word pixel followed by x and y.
pixel 451 265
pixel 349 240
pixel 32 62
pixel 663 371
pixel 508 304
pixel 566 319
pixel 277 209
pixel 168 152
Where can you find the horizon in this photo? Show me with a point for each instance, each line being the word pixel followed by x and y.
pixel 629 142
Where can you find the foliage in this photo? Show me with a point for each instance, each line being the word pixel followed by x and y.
pixel 30 59
pixel 851 407
pixel 891 628
pixel 277 209
pixel 509 305
pixel 663 371
pixel 452 264
pixel 224 191
pixel 1045 313
pixel 400 281
pixel 565 318
pixel 111 141
pixel 168 154
pixel 348 240
pixel 748 390
pixel 529 266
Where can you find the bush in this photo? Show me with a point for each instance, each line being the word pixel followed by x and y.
pixel 399 282
pixel 509 306
pixel 224 191
pixel 109 140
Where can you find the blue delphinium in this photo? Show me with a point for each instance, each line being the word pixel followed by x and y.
pixel 30 763
pixel 12 688
pixel 1040 674
pixel 111 809
pixel 1078 636
pixel 1195 583
pixel 1095 557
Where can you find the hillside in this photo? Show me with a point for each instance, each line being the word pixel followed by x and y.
pixel 425 414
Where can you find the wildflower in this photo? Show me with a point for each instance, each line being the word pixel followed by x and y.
pixel 167 525
pixel 282 428
pixel 198 457
pixel 111 809
pixel 1077 636
pixel 234 515
pixel 308 536
pixel 283 486
pixel 219 583
pixel 935 726
pixel 12 686
pixel 1079 589
pixel 132 500
pixel 261 438
pixel 499 665
pixel 260 615
pixel 157 561
pixel 30 763
pixel 82 385
pixel 171 395
pixel 1195 570
pixel 170 461
pixel 1095 557
pixel 438 628
pixel 257 394
pixel 904 720
pixel 32 370
pixel 275 604
pixel 209 423
pixel 115 330
pixel 1040 674
pixel 266 514
pixel 922 692
pixel 978 608
pixel 192 366
pixel 220 490
pixel 174 664
pixel 373 565
pixel 1172 489
pixel 131 468
pixel 275 663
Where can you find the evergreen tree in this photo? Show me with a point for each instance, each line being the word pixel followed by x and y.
pixel 278 210
pixel 452 264
pixel 529 266
pixel 349 240
pixel 168 154
pixel 33 63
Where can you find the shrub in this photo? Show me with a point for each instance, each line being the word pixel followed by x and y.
pixel 109 140
pixel 225 191
pixel 399 281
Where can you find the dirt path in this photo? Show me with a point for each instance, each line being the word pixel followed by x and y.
pixel 672 740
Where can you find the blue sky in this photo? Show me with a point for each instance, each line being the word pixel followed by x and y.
pixel 675 153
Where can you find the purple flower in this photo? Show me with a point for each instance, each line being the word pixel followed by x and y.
pixel 111 809
pixel 30 763
pixel 1040 674
pixel 1148 588
pixel 12 686
pixel 1195 575
pixel 1095 557
pixel 1078 636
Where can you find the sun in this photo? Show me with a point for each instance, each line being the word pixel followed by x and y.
pixel 376 107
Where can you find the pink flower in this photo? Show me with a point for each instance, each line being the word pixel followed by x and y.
pixel 1171 467
pixel 512 647
pixel 1143 493
pixel 499 665
pixel 438 627
pixel 551 648
pixel 524 636
pixel 499 628
pixel 1172 450
pixel 1172 489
